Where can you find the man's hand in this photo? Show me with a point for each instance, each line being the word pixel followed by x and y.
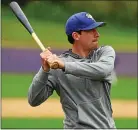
pixel 44 58
pixel 55 59
pixel 48 59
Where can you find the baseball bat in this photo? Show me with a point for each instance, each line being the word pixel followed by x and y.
pixel 23 19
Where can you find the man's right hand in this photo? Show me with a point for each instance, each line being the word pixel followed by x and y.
pixel 44 57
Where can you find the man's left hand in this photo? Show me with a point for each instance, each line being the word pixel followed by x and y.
pixel 55 59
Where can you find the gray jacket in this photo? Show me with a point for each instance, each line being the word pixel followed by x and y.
pixel 84 88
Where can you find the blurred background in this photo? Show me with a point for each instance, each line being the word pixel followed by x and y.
pixel 20 58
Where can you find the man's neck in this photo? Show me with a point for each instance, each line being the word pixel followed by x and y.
pixel 80 51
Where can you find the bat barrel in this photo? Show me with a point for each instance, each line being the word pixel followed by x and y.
pixel 21 16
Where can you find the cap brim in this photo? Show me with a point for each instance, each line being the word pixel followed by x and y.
pixel 95 25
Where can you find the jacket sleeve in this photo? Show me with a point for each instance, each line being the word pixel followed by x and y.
pixel 95 70
pixel 41 87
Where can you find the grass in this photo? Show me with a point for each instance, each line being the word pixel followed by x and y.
pixel 53 34
pixel 16 85
pixel 56 123
pixel 31 123
pixel 126 88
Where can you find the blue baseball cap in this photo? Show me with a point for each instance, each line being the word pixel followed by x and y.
pixel 81 21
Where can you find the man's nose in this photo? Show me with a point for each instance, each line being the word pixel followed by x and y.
pixel 97 34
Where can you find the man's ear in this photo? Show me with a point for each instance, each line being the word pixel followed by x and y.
pixel 76 36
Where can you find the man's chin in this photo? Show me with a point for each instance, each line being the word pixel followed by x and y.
pixel 95 44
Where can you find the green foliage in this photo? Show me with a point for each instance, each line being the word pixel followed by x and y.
pixel 119 12
pixel 21 2
pixel 56 123
pixel 17 86
pixel 47 11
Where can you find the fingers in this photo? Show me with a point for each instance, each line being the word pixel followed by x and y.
pixel 53 62
pixel 50 60
pixel 44 57
pixel 46 53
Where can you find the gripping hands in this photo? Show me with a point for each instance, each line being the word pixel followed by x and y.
pixel 50 60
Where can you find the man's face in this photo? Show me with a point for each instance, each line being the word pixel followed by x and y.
pixel 89 39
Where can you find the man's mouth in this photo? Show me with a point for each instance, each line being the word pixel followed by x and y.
pixel 95 40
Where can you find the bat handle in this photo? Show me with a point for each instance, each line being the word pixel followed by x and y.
pixel 53 65
pixel 38 41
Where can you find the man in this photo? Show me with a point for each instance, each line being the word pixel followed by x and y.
pixel 82 79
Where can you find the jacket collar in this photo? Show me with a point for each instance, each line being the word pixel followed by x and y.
pixel 76 56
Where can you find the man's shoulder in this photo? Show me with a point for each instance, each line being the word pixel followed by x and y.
pixel 106 48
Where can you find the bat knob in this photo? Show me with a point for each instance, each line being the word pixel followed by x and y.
pixel 54 65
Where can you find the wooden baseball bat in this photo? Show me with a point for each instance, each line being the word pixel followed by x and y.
pixel 23 19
